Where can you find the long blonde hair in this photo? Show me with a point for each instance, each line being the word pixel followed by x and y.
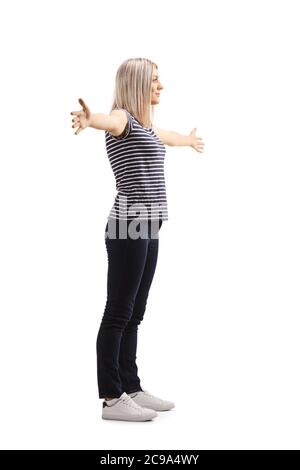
pixel 133 89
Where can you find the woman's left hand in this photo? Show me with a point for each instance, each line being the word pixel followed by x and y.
pixel 196 142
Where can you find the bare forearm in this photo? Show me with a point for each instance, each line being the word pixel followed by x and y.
pixel 100 121
pixel 180 139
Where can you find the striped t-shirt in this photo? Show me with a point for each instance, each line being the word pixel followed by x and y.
pixel 137 158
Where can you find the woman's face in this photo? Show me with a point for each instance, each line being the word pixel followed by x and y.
pixel 156 87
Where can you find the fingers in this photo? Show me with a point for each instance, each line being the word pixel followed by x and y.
pixel 78 130
pixel 199 146
pixel 85 108
pixel 82 103
pixel 76 123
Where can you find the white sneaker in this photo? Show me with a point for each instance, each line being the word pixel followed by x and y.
pixel 125 409
pixel 144 398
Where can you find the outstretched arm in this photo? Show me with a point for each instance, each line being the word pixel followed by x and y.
pixel 114 122
pixel 175 139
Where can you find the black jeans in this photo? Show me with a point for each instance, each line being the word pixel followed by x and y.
pixel 131 267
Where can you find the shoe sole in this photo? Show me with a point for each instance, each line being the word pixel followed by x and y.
pixel 156 409
pixel 166 409
pixel 136 418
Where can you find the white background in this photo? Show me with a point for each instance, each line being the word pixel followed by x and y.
pixel 220 336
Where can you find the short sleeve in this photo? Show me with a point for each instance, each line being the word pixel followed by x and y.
pixel 127 130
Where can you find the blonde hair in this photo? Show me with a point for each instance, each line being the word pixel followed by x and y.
pixel 133 89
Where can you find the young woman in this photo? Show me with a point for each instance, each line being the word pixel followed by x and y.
pixel 136 151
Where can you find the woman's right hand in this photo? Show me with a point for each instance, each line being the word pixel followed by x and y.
pixel 82 118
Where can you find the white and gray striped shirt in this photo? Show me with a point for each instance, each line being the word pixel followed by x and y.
pixel 137 158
